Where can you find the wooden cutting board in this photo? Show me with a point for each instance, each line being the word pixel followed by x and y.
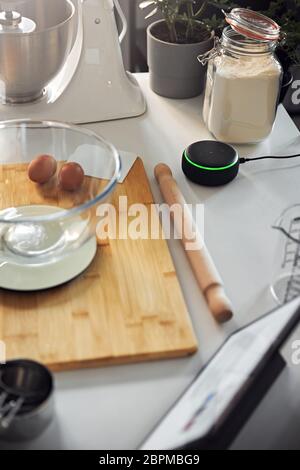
pixel 127 307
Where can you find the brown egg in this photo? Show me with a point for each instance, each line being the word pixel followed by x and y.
pixel 71 176
pixel 42 168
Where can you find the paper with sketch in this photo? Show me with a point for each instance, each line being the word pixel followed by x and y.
pixel 99 166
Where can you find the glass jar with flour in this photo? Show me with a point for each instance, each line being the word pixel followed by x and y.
pixel 244 79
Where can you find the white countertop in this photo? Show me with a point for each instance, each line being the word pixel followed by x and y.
pixel 115 407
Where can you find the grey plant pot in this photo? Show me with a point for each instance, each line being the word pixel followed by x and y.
pixel 174 69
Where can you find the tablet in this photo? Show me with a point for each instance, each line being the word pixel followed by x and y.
pixel 219 387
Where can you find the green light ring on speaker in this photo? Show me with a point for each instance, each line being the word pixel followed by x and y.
pixel 221 168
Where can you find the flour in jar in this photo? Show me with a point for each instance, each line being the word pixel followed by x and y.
pixel 241 98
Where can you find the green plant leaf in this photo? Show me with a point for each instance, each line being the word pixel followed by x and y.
pixel 146 4
pixel 152 13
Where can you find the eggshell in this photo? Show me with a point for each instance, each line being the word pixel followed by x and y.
pixel 42 168
pixel 71 176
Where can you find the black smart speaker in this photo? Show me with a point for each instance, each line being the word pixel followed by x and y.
pixel 210 163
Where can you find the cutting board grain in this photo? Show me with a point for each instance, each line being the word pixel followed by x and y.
pixel 127 307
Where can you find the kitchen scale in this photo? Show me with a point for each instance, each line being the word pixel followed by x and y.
pixel 61 60
pixel 25 274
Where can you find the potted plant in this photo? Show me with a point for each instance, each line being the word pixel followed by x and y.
pixel 174 44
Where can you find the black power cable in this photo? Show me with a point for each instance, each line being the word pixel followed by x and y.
pixel 268 157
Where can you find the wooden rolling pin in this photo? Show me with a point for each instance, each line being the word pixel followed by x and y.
pixel 203 266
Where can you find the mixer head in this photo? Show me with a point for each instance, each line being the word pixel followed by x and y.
pixel 12 21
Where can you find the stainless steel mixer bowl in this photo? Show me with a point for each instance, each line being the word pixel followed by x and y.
pixel 29 61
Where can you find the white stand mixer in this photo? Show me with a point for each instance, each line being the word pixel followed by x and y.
pixel 76 45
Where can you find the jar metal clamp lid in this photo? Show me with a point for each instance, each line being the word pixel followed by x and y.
pixel 251 25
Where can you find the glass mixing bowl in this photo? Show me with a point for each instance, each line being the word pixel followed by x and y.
pixel 42 223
